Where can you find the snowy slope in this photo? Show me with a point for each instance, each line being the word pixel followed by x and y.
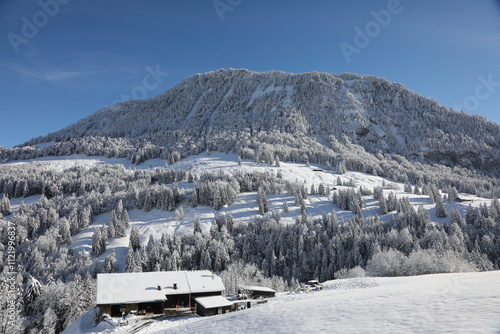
pixel 444 303
pixel 157 222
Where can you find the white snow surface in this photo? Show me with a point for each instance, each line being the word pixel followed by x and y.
pixel 440 303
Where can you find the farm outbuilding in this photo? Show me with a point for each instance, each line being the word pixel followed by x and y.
pixel 213 305
pixel 257 292
pixel 154 292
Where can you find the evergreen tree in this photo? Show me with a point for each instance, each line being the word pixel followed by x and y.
pixel 286 210
pixel 5 205
pixel 392 202
pixel 97 242
pixel 341 167
pixel 194 198
pixel 339 181
pixel 440 209
pixel 111 230
pixel 134 240
pixel 453 194
pixel 383 206
pixel 321 189
pixel 130 264
pixel 50 321
pixel 197 226
pixel 262 201
pixel 179 213
pixel 32 291
pixel 64 232
pixel 312 191
pixel 104 238
pixel 110 264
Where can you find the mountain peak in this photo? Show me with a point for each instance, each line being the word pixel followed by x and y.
pixel 233 107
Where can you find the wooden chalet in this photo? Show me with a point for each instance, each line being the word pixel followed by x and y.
pixel 154 292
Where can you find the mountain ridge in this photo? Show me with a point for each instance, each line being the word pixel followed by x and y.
pixel 227 107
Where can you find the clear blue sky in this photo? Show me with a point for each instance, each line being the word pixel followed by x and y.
pixel 60 60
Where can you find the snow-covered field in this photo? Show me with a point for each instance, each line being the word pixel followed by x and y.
pixel 441 303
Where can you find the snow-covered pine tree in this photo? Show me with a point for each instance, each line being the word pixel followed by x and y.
pixel 383 206
pixel 50 320
pixel 341 167
pixel 32 291
pixel 194 198
pixel 64 231
pixel 321 189
pixel 97 243
pixel 130 261
pixel 339 181
pixel 453 194
pixel 104 237
pixel 262 201
pixel 179 213
pixel 286 210
pixel 392 202
pixel 110 263
pixel 197 226
pixel 440 209
pixel 134 240
pixel 5 205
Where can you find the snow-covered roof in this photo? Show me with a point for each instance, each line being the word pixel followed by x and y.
pixel 258 288
pixel 127 288
pixel 213 301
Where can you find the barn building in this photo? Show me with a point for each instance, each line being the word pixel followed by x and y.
pixel 257 292
pixel 154 292
pixel 213 305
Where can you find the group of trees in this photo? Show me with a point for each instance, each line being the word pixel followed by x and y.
pixel 323 248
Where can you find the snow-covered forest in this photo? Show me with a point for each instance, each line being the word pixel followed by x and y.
pixel 287 177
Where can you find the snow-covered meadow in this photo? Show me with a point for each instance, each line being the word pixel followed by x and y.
pixel 440 303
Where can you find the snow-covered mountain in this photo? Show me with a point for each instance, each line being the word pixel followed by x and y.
pixel 228 109
pixel 274 177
